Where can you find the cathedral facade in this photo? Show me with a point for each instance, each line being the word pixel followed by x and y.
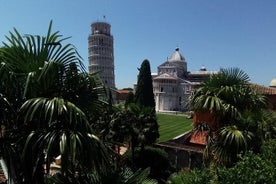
pixel 173 83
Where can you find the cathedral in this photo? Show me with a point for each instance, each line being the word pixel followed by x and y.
pixel 173 83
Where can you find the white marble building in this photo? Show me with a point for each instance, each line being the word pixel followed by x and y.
pixel 173 84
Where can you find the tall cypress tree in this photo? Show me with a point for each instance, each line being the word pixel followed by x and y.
pixel 144 91
pixel 144 98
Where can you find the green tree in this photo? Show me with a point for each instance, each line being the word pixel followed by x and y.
pixel 129 99
pixel 227 94
pixel 153 158
pixel 230 143
pixel 230 97
pixel 252 168
pixel 135 126
pixel 41 85
pixel 49 106
pixel 144 91
pixel 63 130
pixel 145 126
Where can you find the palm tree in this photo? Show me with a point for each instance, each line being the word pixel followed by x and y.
pixel 51 114
pixel 228 96
pixel 64 131
pixel 51 106
pixel 228 145
pixel 135 125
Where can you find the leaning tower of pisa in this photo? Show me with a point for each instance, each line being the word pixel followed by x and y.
pixel 101 53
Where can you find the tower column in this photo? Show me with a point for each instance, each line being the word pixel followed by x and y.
pixel 101 53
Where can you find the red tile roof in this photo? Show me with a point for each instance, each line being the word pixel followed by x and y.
pixel 198 137
pixel 264 90
pixel 123 91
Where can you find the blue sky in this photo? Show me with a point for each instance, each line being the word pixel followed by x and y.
pixel 214 33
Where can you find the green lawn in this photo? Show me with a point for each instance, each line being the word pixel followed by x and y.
pixel 171 125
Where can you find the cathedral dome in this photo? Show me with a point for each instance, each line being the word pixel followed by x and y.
pixel 176 56
pixel 273 83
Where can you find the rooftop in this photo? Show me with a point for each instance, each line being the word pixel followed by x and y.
pixel 176 56
pixel 264 90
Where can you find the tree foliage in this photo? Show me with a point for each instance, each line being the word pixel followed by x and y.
pixel 135 125
pixel 234 103
pixel 129 99
pixel 144 91
pixel 154 159
pixel 227 94
pixel 252 168
pixel 50 107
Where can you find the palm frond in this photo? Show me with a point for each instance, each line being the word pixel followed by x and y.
pixel 26 55
pixel 55 110
pixel 78 150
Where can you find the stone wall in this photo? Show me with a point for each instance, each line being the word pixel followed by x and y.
pixel 183 157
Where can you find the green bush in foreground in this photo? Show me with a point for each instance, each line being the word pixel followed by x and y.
pixel 192 177
pixel 252 168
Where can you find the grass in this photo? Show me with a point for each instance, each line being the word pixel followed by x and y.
pixel 171 125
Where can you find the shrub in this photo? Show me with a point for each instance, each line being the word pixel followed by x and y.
pixel 251 169
pixel 197 176
pixel 154 158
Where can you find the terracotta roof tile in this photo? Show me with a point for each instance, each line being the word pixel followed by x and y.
pixel 264 90
pixel 198 137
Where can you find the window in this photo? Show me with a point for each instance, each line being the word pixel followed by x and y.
pixel 101 41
